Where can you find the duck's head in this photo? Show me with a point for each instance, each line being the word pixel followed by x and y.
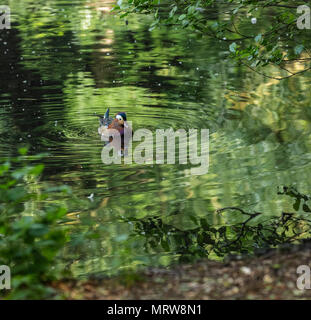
pixel 121 117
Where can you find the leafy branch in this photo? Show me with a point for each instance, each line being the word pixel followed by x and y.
pixel 260 33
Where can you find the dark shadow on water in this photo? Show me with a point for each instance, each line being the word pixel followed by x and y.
pixel 254 232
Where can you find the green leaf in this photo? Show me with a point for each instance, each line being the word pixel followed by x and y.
pixel 233 47
pixel 4 167
pixel 23 151
pixel 298 49
pixel 172 12
pixel 297 204
pixel 235 11
pixel 124 15
pixel 258 38
pixel 37 170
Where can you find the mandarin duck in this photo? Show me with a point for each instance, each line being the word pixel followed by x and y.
pixel 119 123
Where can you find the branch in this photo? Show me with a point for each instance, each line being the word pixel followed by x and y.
pixel 271 77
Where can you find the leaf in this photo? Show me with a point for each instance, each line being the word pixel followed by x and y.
pixel 255 63
pixel 258 38
pixel 153 25
pixel 55 213
pixel 4 167
pixel 165 245
pixel 124 15
pixel 191 9
pixel 297 204
pixel 233 47
pixel 22 151
pixel 185 23
pixel 235 11
pixel 172 12
pixel 298 49
pixel 17 194
pixel 37 169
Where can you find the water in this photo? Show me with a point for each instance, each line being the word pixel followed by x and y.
pixel 65 60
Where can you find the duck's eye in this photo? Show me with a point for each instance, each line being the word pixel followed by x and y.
pixel 119 117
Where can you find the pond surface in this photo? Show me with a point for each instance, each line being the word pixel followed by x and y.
pixel 63 61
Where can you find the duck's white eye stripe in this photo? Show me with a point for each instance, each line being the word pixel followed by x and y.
pixel 119 117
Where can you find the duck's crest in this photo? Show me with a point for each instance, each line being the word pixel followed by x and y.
pixel 106 116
